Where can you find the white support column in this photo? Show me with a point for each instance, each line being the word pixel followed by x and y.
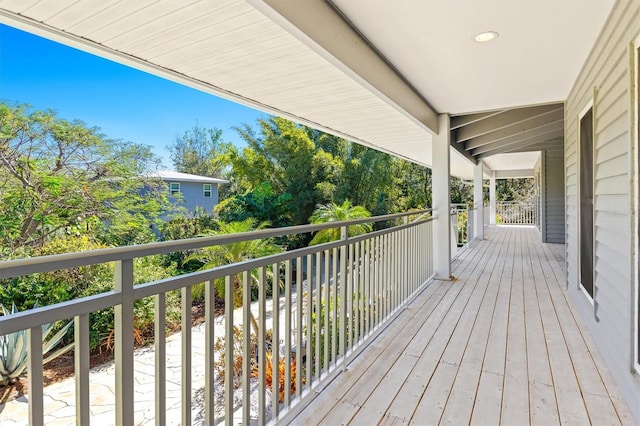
pixel 478 202
pixel 441 193
pixel 492 199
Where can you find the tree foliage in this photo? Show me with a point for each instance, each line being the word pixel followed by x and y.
pixel 286 170
pixel 227 254
pixel 198 151
pixel 337 213
pixel 60 176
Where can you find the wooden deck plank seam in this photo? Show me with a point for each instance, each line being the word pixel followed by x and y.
pixel 444 346
pixel 542 324
pixel 475 279
pixel 500 285
pixel 579 328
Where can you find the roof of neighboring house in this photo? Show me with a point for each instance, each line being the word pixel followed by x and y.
pixel 170 175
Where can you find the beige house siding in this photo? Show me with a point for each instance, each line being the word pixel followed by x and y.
pixel 605 79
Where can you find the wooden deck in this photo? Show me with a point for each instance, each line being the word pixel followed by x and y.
pixel 500 344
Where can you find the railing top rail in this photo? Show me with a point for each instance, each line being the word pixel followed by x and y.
pixel 19 267
pixel 523 203
pixel 68 309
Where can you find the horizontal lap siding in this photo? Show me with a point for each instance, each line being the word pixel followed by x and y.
pixel 606 70
pixel 554 212
pixel 554 193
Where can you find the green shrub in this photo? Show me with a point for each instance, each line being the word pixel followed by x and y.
pixel 13 348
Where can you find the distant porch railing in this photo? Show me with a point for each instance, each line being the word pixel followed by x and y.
pixel 462 219
pixel 514 213
pixel 337 296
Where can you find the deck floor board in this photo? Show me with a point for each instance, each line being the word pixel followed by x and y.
pixel 499 344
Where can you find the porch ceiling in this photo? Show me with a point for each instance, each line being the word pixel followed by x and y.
pixel 373 71
pixel 492 135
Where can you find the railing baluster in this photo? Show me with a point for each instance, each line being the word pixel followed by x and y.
pixel 353 297
pixel 123 324
pixel 81 361
pixel 186 354
pixel 287 335
pixel 384 264
pixel 299 328
pixel 318 320
pixel 228 348
pixel 262 324
pixel 160 343
pixel 35 373
pixel 344 277
pixel 377 278
pixel 309 310
pixel 357 278
pixel 367 286
pixel 334 308
pixel 275 343
pixel 209 341
pixel 327 307
pixel 246 347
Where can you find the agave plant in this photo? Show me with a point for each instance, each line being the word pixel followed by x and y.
pixel 13 348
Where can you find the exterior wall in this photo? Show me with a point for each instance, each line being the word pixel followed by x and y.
pixel 607 75
pixel 552 192
pixel 553 178
pixel 192 196
pixel 537 175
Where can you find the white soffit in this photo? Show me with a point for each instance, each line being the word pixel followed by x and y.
pixel 513 161
pixel 459 165
pixel 540 50
pixel 230 49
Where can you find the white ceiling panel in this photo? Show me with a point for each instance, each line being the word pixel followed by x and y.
pixel 540 50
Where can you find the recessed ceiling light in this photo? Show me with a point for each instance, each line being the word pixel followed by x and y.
pixel 486 36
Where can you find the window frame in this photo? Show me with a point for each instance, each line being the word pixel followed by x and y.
pixel 635 120
pixel 174 192
pixel 205 190
pixel 589 107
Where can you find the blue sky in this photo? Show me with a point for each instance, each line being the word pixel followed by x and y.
pixel 123 102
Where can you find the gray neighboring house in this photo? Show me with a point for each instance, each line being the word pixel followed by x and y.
pixel 191 191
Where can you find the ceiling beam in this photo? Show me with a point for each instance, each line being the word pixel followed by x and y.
pixel 510 174
pixel 556 116
pixel 466 154
pixel 464 120
pixel 317 24
pixel 521 147
pixel 504 119
pixel 540 134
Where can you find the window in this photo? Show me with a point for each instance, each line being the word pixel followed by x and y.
pixel 174 188
pixel 585 147
pixel 206 190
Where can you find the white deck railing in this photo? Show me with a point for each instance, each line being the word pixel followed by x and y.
pixel 353 287
pixel 513 213
pixel 462 222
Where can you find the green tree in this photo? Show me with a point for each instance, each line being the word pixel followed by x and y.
pixel 199 151
pixel 227 254
pixel 368 178
pixel 337 213
pixel 284 155
pixel 261 203
pixel 59 176
pixel 414 185
pixel 516 189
